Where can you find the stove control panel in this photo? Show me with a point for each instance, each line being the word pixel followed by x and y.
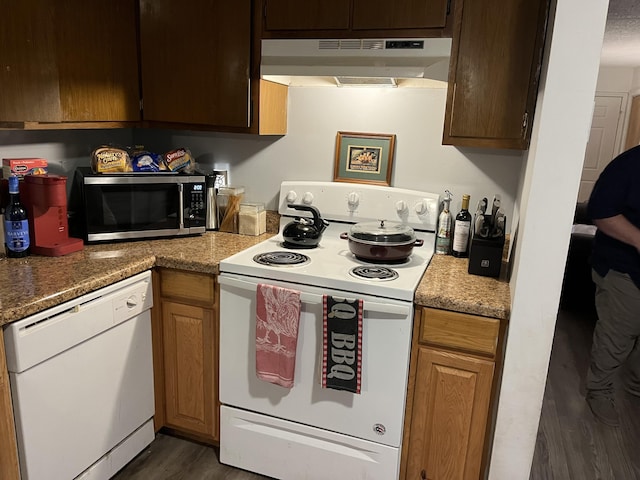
pixel 352 202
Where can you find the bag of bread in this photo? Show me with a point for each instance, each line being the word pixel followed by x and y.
pixel 145 161
pixel 180 160
pixel 107 159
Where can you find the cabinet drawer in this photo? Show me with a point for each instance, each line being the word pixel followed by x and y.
pixel 461 331
pixel 191 286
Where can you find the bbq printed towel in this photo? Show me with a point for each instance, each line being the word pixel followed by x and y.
pixel 277 320
pixel 342 343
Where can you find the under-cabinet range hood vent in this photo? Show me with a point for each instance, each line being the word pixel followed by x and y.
pixel 376 58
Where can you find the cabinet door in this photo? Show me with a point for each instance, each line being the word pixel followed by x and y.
pixel 8 453
pixel 189 339
pixel 195 59
pixel 493 78
pixel 28 70
pixel 72 61
pixel 307 15
pixel 450 409
pixel 97 59
pixel 400 14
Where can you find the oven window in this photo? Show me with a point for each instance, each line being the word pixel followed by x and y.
pixel 122 208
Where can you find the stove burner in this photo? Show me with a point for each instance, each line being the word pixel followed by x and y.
pixel 374 272
pixel 281 259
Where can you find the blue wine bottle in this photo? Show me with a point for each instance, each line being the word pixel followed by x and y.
pixel 16 226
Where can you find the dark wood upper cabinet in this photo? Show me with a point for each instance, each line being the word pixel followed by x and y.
pixel 72 61
pixel 405 14
pixel 356 18
pixel 195 61
pixel 307 15
pixel 98 60
pixel 494 71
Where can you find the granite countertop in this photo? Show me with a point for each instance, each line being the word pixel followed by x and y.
pixel 35 283
pixel 447 285
pixel 32 284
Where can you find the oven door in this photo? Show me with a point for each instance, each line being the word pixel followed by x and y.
pixel 376 414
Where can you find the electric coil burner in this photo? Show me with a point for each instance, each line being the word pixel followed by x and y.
pixel 281 259
pixel 374 272
pixel 310 431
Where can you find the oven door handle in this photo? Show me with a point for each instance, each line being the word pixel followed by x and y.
pixel 316 299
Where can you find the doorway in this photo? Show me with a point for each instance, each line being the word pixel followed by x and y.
pixel 604 139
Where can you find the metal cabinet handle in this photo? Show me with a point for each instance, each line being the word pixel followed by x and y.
pixel 423 475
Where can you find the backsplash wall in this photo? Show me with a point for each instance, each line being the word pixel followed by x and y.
pixel 316 114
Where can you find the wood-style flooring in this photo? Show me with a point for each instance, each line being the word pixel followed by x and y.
pixel 571 443
pixel 175 458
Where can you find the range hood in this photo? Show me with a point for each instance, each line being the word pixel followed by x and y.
pixel 371 59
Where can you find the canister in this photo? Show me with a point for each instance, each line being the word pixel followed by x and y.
pixel 252 219
pixel 229 199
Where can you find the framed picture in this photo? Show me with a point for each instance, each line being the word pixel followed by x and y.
pixel 364 158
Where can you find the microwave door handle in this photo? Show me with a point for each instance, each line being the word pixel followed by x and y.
pixel 181 205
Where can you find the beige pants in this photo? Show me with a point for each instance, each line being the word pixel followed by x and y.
pixel 615 338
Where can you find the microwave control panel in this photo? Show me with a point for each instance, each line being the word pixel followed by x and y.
pixel 195 205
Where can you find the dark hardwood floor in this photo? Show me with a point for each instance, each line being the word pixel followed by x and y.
pixel 175 458
pixel 571 443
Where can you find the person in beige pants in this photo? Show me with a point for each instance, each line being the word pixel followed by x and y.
pixel 614 207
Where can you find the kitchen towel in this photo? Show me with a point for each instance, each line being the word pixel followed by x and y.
pixel 342 343
pixel 277 321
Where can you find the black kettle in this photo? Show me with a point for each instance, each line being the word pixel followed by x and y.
pixel 304 232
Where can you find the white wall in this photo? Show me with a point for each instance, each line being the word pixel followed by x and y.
pixel 546 204
pixel 316 114
pixel 615 79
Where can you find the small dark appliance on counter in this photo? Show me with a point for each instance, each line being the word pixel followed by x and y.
pixel 128 206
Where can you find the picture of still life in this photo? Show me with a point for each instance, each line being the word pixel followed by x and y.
pixel 364 159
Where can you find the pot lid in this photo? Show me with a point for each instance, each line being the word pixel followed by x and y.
pixel 382 232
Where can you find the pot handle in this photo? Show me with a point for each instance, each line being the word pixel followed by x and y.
pixel 344 235
pixel 418 243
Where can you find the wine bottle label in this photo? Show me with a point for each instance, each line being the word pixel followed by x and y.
pixel 461 235
pixel 16 235
pixel 442 245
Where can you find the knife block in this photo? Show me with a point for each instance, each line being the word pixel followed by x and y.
pixel 485 256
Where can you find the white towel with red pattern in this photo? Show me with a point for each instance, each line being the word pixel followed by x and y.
pixel 277 321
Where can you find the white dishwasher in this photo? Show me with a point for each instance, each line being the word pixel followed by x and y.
pixel 81 380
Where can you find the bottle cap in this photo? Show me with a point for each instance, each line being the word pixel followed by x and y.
pixel 13 184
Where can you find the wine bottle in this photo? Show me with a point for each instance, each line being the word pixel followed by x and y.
pixel 443 236
pixel 16 226
pixel 461 230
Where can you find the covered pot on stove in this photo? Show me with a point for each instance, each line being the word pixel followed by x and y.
pixel 381 241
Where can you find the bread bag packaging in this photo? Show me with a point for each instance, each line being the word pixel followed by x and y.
pixel 107 159
pixel 180 160
pixel 145 161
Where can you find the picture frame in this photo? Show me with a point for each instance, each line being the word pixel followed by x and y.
pixel 364 158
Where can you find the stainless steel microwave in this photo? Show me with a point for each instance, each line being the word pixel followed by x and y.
pixel 107 207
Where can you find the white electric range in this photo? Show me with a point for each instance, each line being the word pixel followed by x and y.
pixel 308 431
